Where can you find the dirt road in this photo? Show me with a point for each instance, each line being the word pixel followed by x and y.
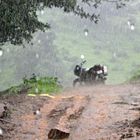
pixel 108 113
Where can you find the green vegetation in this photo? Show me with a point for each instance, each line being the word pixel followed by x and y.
pixel 135 77
pixel 44 85
pixel 35 85
pixel 19 19
pixel 111 42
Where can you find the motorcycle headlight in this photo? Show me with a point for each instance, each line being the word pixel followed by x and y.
pixel 99 72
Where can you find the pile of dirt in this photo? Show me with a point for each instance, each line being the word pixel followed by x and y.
pixel 40 117
pixel 127 129
pixel 16 106
pixel 65 116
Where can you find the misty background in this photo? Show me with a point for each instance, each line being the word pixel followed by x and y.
pixel 114 42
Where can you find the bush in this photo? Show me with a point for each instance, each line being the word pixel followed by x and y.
pixel 135 77
pixel 42 84
pixel 35 85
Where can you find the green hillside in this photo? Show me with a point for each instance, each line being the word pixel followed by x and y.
pixel 111 42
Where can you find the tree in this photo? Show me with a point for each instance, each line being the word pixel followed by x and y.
pixel 19 18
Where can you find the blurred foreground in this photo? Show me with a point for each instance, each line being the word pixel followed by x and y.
pixel 88 113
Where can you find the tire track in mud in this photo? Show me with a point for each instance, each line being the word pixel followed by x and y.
pixel 53 114
pixel 97 121
pixel 93 121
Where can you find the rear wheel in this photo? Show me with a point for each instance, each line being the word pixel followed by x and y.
pixel 100 82
pixel 77 82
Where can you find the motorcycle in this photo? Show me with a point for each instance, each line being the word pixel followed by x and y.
pixel 95 75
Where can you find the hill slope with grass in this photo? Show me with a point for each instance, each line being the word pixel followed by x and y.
pixel 54 53
pixel 111 42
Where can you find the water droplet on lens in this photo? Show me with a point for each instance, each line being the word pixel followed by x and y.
pixel 42 12
pixel 132 27
pixel 8 50
pixel 1 52
pixel 37 55
pixel 36 90
pixel 82 56
pixel 39 41
pixel 86 32
pixel 37 78
pixel 1 132
pixel 114 55
pixel 128 23
pixel 37 112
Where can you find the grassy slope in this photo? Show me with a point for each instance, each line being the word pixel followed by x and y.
pixel 116 38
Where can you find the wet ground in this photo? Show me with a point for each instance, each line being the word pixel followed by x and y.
pixel 95 113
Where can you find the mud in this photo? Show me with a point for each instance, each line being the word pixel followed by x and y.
pixel 87 113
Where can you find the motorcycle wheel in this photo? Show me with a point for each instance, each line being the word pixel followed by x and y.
pixel 100 82
pixel 77 82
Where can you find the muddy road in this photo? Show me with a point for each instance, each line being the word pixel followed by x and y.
pixel 87 113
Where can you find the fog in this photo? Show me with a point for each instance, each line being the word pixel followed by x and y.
pixel 114 42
